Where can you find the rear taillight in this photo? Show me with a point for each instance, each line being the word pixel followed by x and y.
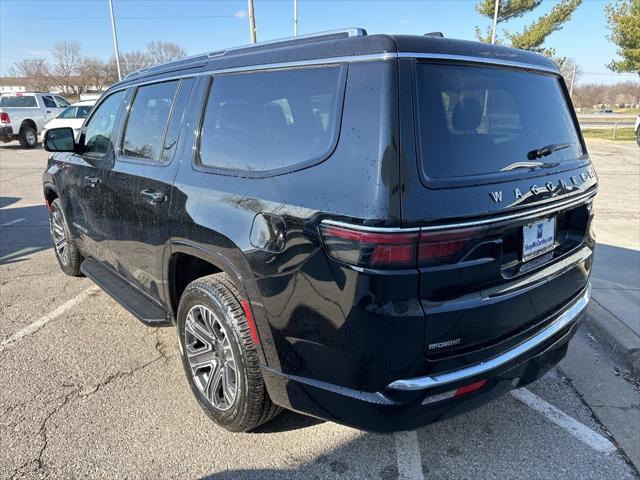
pixel 438 247
pixel 4 118
pixel 372 249
pixel 394 248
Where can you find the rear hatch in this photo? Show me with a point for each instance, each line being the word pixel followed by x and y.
pixel 502 194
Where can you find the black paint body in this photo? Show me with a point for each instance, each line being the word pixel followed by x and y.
pixel 332 335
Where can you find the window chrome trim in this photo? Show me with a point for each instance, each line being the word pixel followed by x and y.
pixel 483 60
pixel 566 318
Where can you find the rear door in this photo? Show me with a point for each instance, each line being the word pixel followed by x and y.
pixel 138 186
pixel 498 179
pixel 51 110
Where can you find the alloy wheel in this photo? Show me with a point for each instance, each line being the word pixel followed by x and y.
pixel 31 137
pixel 60 241
pixel 211 359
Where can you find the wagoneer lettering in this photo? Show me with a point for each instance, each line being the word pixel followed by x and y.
pixel 344 225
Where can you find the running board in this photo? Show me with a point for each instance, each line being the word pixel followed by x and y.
pixel 141 306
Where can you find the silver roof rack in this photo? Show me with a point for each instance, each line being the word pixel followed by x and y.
pixel 350 32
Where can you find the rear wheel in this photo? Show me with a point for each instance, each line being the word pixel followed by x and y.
pixel 28 137
pixel 219 357
pixel 63 244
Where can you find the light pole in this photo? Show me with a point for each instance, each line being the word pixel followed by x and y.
pixel 252 22
pixel 295 18
pixel 115 40
pixel 495 22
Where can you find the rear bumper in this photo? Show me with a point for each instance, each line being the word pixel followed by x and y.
pixel 399 406
pixel 6 134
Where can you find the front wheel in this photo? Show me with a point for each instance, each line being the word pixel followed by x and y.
pixel 219 357
pixel 63 244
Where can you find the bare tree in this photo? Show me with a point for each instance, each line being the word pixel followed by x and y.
pixel 36 71
pixel 67 56
pixel 566 66
pixel 135 60
pixel 162 52
pixel 94 73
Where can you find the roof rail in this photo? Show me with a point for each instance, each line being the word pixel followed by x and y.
pixel 347 32
pixel 434 34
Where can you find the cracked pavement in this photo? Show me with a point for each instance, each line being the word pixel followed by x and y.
pixel 96 394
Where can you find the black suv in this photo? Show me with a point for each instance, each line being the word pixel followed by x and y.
pixel 375 230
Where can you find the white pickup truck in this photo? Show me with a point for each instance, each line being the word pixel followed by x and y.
pixel 23 115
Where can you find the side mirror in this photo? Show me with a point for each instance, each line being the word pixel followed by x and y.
pixel 59 140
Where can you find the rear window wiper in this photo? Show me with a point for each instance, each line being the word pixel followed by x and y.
pixel 528 165
pixel 547 150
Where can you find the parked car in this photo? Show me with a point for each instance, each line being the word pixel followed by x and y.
pixel 382 252
pixel 23 115
pixel 73 116
pixel 636 128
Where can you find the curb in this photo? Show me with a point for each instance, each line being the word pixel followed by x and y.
pixel 618 339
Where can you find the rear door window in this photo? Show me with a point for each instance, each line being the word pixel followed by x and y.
pixel 270 121
pixel 147 122
pixel 49 102
pixel 487 120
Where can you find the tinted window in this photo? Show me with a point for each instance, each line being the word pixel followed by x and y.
pixel 144 135
pixel 13 101
pixel 61 101
pixel 270 120
pixel 80 111
pixel 48 102
pixel 475 121
pixel 99 130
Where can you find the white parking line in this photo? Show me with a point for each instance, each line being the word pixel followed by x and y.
pixel 42 321
pixel 570 424
pixel 13 222
pixel 408 455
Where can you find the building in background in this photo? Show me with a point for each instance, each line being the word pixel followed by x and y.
pixel 13 84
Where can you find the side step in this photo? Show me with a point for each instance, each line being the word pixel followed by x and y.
pixel 141 306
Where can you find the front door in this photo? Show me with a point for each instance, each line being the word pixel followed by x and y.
pixel 139 184
pixel 84 196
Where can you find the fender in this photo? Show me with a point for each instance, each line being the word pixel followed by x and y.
pixel 244 281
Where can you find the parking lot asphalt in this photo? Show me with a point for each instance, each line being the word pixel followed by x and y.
pixel 86 391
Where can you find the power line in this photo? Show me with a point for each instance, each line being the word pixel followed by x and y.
pixel 142 17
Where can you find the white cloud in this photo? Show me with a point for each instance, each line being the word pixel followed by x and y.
pixel 241 14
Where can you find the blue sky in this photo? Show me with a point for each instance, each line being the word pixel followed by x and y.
pixel 29 28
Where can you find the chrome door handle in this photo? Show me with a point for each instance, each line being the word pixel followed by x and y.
pixel 153 197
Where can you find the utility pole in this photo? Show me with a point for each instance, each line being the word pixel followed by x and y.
pixel 115 40
pixel 295 18
pixel 495 22
pixel 252 22
pixel 573 77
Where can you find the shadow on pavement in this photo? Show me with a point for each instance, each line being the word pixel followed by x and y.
pixel 23 230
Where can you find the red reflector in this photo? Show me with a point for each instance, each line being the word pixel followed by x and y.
pixel 472 387
pixel 4 118
pixel 252 325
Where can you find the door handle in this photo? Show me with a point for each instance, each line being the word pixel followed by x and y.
pixel 153 197
pixel 92 181
pixel 48 111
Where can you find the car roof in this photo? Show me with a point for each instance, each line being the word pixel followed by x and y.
pixel 84 103
pixel 347 44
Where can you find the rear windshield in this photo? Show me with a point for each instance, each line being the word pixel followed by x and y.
pixel 483 120
pixel 12 101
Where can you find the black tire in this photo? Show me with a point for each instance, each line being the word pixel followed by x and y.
pixel 251 405
pixel 68 258
pixel 28 137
